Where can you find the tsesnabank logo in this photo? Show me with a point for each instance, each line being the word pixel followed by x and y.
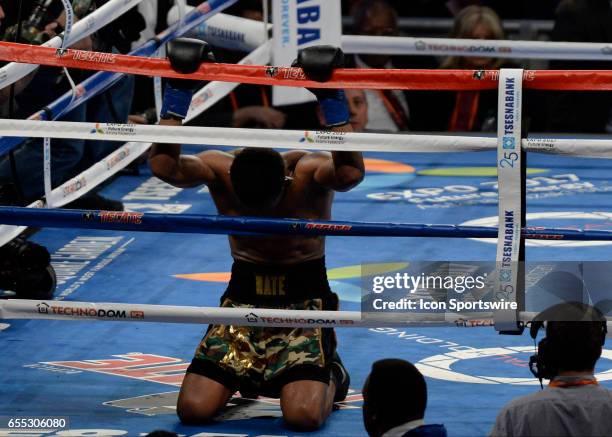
pixel 555 219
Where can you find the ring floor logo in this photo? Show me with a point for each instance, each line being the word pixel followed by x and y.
pixel 474 366
pixel 384 174
pixel 460 193
pixel 556 219
pixel 341 279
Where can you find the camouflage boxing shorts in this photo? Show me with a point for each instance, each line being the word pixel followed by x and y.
pixel 261 360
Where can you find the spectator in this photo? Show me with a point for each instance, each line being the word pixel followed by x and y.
pixel 476 22
pixel 584 112
pixel 467 111
pixel 69 157
pixel 31 94
pixel 390 110
pixel 252 9
pixel 573 404
pixel 358 110
pixel 394 401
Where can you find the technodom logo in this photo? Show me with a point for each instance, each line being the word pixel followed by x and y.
pixel 556 219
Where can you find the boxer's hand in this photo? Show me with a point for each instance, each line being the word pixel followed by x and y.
pixel 185 56
pixel 318 64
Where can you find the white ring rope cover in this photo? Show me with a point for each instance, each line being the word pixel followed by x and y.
pixel 600 147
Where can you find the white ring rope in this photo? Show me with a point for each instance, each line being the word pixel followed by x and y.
pixel 122 312
pixel 289 139
pixel 507 49
pixel 99 18
pixel 224 32
pixel 227 31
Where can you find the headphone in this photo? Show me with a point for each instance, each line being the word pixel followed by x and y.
pixel 543 363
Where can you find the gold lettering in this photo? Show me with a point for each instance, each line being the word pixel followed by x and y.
pixel 270 285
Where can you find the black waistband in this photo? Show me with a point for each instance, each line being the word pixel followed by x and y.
pixel 253 283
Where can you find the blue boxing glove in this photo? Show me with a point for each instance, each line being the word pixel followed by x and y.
pixel 185 56
pixel 318 64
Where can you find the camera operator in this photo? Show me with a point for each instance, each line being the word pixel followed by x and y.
pixel 573 404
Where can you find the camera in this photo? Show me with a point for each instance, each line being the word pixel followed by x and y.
pixel 25 268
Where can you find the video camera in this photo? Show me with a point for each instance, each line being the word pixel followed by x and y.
pixel 25 268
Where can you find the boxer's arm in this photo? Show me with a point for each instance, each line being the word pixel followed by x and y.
pixel 343 171
pixel 166 161
pixel 168 164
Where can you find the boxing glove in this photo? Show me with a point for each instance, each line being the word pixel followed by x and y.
pixel 318 64
pixel 185 56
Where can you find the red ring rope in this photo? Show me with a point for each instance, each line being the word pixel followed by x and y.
pixel 581 80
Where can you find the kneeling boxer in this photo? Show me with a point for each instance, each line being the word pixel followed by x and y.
pixel 299 365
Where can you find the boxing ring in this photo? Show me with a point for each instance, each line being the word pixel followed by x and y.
pixel 117 378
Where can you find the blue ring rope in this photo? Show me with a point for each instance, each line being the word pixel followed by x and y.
pixel 101 81
pixel 216 224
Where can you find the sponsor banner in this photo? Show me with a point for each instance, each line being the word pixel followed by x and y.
pixel 95 57
pixel 301 24
pixel 254 318
pixel 82 312
pixel 509 118
pixel 133 218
